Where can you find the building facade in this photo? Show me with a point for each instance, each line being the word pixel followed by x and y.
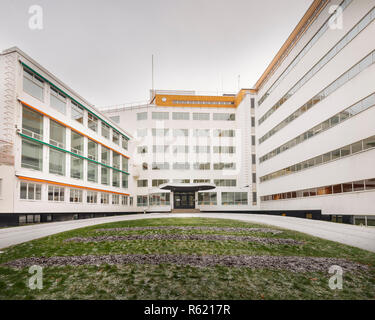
pixel 301 140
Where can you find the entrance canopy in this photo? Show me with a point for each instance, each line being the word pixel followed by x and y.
pixel 187 187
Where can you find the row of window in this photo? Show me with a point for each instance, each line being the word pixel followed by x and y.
pixel 335 85
pixel 353 186
pixel 204 198
pixel 164 115
pixel 202 102
pixel 187 166
pixel 161 132
pixel 34 85
pixel 33 191
pixel 185 149
pixel 353 110
pixel 353 148
pixel 142 183
pixel 319 65
pixel 32 126
pixel 32 158
pixel 302 53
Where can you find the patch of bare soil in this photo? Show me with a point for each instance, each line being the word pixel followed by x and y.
pixel 189 237
pixel 226 229
pixel 290 263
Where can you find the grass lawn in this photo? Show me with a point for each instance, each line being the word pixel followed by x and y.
pixel 171 281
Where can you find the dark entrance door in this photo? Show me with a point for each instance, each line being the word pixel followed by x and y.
pixel 184 200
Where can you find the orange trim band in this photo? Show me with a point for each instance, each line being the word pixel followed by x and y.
pixel 69 185
pixel 65 125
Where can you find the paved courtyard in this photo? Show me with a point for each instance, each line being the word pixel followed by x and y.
pixel 357 236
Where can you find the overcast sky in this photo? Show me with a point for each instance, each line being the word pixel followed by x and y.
pixel 102 49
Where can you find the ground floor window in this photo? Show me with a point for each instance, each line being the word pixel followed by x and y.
pixel 131 201
pixel 124 200
pixel 104 198
pixel 141 201
pixel 92 197
pixel 115 199
pixel 207 198
pixel 30 191
pixel 56 193
pixel 233 198
pixel 159 199
pixel 76 195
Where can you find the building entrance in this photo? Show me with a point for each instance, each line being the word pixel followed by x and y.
pixel 184 200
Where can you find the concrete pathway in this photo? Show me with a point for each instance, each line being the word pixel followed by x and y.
pixel 361 237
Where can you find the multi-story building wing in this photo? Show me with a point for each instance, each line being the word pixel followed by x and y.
pixel 58 153
pixel 315 114
pixel 192 151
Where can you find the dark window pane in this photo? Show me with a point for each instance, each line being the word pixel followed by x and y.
pixel 358 185
pixel 356 147
pixel 337 188
pixel 347 187
pixel 369 143
pixel 370 184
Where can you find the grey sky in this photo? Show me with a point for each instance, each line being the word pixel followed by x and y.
pixel 102 49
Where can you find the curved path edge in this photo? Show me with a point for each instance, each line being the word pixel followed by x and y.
pixel 356 236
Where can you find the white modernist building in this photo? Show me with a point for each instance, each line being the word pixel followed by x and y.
pixel 301 142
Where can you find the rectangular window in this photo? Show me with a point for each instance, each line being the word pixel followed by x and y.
pixel 201 181
pixel 142 116
pixel 142 149
pixel 77 112
pixel 142 183
pixel 202 166
pixel 106 130
pixel 124 142
pixel 224 116
pixel 125 164
pixel 180 149
pixel 92 197
pixel 158 182
pixel 124 180
pixel 57 162
pixel 201 149
pixel 116 137
pixel 180 115
pixel 33 85
pixel 159 199
pixel 32 123
pixel 234 198
pixel 160 132
pixel 56 134
pixel 160 149
pixel 160 115
pixel 201 132
pixel 30 191
pixel 105 155
pixel 104 198
pixel 115 160
pixel 142 201
pixel 224 133
pixel 115 199
pixel 92 122
pixel 92 150
pixel 370 184
pixel 76 144
pixel 32 155
pixel 224 149
pixel 56 193
pixel 124 200
pixel 207 198
pixel 58 100
pixel 115 178
pixel 224 166
pixel 369 143
pixel 75 195
pixel 181 180
pixel 201 116
pixel 160 166
pixel 92 172
pixel 105 176
pixel 225 182
pixel 76 167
